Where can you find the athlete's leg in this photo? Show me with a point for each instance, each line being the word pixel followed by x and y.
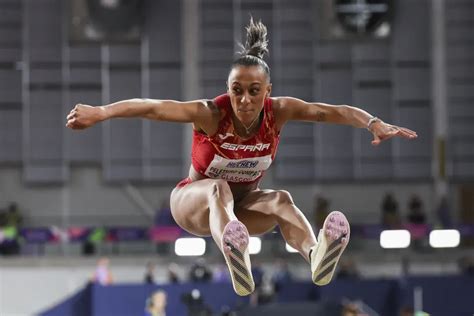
pixel 203 207
pixel 206 207
pixel 261 210
pixel 258 209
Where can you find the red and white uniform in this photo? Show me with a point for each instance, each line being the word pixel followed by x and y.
pixel 226 156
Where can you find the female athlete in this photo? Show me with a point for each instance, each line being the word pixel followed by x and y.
pixel 235 138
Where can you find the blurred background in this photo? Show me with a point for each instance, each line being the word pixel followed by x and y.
pixel 85 226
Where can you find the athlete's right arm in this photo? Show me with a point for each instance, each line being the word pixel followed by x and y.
pixel 83 116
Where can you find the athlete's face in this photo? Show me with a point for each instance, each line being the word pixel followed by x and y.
pixel 248 86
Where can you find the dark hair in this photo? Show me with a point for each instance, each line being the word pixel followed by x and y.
pixel 255 47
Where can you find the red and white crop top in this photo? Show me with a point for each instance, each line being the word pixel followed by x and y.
pixel 226 156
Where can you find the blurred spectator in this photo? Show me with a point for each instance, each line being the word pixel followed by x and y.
pixel 195 303
pixel 267 291
pixel 221 274
pixel 281 275
pixel 466 265
pixel 416 223
pixel 264 287
pixel 14 217
pixel 347 270
pixel 9 233
pixel 351 309
pixel 321 211
pixel 390 213
pixel 102 274
pixel 3 218
pixel 416 214
pixel 94 238
pixel 199 271
pixel 163 215
pixel 156 304
pixel 150 273
pixel 443 213
pixel 163 218
pixel 257 273
pixel 173 277
pixel 406 311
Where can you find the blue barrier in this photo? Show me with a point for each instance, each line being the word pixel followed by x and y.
pixel 442 295
pixel 380 295
pixel 79 304
pixel 447 295
pixel 129 299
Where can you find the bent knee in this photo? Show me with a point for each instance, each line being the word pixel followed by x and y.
pixel 194 222
pixel 219 188
pixel 283 197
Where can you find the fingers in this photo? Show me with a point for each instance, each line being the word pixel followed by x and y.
pixel 74 124
pixel 73 121
pixel 388 131
pixel 71 115
pixel 393 130
pixel 406 133
pixel 72 118
pixel 376 140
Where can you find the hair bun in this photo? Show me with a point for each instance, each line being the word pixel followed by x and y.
pixel 256 43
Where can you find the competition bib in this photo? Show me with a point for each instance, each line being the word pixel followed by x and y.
pixel 238 170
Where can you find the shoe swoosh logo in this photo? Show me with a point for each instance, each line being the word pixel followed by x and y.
pixel 225 136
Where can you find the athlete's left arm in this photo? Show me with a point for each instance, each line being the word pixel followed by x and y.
pixel 292 109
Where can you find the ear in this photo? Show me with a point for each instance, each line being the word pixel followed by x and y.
pixel 269 90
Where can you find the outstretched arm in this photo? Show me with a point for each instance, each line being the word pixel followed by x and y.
pixel 83 116
pixel 288 109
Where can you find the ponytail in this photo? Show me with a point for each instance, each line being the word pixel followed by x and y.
pixel 255 48
pixel 256 43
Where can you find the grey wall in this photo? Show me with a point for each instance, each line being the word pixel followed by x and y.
pixel 390 78
pixel 459 23
pixel 43 74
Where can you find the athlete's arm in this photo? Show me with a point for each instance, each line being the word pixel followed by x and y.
pixel 197 112
pixel 292 109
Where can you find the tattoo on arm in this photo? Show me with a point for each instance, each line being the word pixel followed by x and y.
pixel 320 116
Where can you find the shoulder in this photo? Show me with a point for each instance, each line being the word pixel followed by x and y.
pixel 221 100
pixel 282 108
pixel 211 106
pixel 285 103
pixel 214 112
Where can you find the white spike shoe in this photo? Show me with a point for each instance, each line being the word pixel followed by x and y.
pixel 235 241
pixel 332 240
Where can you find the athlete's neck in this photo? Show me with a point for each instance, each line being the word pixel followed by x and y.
pixel 247 131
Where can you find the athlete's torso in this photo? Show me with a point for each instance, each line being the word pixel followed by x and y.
pixel 227 156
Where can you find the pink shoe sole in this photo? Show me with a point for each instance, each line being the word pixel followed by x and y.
pixel 332 241
pixel 235 241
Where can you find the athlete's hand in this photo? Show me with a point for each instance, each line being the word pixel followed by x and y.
pixel 83 116
pixel 383 131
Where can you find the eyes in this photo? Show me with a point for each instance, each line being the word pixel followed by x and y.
pixel 253 91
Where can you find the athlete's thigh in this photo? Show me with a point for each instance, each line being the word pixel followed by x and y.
pixel 255 210
pixel 190 206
